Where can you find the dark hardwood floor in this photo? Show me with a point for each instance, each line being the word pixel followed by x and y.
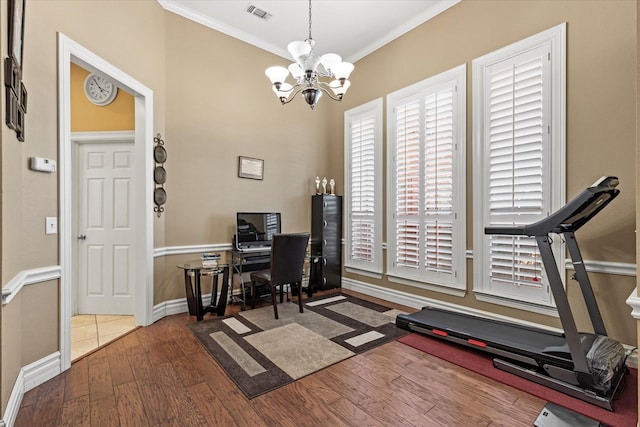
pixel 161 376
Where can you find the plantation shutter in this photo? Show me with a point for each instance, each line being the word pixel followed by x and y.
pixel 363 189
pixel 517 155
pixel 408 184
pixel 424 170
pixel 438 181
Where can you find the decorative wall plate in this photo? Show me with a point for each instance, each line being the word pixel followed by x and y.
pixel 159 196
pixel 159 175
pixel 160 154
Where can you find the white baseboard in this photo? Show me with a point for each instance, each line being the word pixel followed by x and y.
pixel 29 377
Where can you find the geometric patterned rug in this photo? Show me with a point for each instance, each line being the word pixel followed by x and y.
pixel 260 353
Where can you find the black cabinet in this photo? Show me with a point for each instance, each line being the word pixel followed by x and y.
pixel 326 242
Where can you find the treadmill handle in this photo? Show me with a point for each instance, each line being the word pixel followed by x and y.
pixel 519 231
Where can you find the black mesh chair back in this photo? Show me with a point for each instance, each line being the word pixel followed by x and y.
pixel 288 253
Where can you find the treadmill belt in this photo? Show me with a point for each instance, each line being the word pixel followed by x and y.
pixel 501 335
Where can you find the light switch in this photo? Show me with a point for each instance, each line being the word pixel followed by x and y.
pixel 51 225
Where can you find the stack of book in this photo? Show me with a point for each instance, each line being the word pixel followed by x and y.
pixel 210 259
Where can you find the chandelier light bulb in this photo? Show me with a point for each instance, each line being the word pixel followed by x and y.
pixel 329 59
pixel 296 70
pixel 298 49
pixel 342 70
pixel 277 74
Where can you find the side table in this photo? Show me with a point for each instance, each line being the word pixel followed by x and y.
pixel 193 270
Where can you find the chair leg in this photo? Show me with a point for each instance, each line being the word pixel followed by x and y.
pixel 273 299
pixel 299 285
pixel 253 294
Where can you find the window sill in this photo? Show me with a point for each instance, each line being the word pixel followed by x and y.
pixel 368 273
pixel 428 286
pixel 520 305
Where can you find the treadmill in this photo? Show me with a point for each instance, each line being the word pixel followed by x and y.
pixel 587 366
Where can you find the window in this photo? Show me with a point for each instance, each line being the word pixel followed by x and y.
pixel 363 189
pixel 426 188
pixel 519 172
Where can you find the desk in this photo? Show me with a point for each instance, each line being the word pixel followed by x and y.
pixel 254 261
pixel 244 262
pixel 195 269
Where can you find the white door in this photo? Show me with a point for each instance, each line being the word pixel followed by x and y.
pixel 105 249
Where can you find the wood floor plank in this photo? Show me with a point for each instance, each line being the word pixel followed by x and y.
pixel 356 416
pixel 99 374
pixel 155 402
pixel 179 400
pixel 76 412
pixel 25 416
pixel 119 365
pixel 371 399
pixel 317 390
pixel 139 363
pixel 211 405
pixel 302 408
pixel 77 380
pixel 50 401
pixel 104 412
pixel 129 405
pixel 187 374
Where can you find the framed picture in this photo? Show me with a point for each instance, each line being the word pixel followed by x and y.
pixel 249 167
pixel 16 31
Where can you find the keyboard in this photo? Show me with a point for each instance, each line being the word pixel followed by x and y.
pixel 254 249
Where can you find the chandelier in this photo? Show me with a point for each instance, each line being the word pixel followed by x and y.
pixel 307 70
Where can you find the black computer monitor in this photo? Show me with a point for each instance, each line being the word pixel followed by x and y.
pixel 256 229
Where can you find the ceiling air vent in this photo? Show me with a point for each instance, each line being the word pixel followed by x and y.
pixel 256 11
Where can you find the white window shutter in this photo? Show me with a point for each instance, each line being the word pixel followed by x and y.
pixel 520 174
pixel 363 187
pixel 426 142
pixel 438 181
pixel 516 156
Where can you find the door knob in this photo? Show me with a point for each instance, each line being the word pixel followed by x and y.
pixel 82 237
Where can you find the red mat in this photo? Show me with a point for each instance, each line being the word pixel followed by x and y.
pixel 625 409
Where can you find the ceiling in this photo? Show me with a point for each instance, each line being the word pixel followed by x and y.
pixel 350 28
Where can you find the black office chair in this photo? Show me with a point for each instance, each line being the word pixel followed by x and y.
pixel 287 264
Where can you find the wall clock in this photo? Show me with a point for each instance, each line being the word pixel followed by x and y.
pixel 99 90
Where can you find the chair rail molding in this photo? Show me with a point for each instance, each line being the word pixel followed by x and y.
pixel 28 277
pixel 191 249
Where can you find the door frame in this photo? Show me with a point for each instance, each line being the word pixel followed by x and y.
pixel 69 51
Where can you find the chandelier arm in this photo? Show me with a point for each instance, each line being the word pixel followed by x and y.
pixel 329 94
pixel 285 101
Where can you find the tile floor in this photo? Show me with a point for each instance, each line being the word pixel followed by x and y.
pixel 90 331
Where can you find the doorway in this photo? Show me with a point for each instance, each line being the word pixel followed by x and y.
pixel 141 188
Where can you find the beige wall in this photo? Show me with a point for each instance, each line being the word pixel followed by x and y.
pixel 86 117
pixel 601 61
pixel 220 107
pixel 213 103
pixel 130 35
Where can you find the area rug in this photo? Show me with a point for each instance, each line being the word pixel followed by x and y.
pixel 625 408
pixel 260 353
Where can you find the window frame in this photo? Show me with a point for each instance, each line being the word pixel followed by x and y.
pixel 372 109
pixel 454 283
pixel 554 39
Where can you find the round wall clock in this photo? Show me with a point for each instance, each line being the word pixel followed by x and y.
pixel 99 90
